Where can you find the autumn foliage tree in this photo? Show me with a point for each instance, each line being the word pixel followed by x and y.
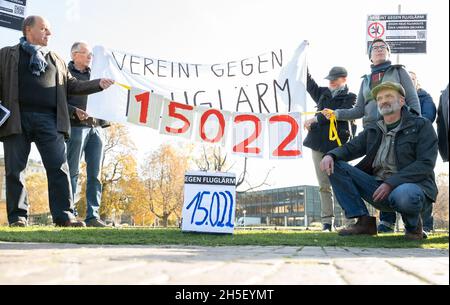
pixel 119 167
pixel 163 173
pixel 37 188
pixel 119 174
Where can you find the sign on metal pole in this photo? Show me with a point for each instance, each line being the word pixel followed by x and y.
pixel 12 13
pixel 405 34
pixel 209 202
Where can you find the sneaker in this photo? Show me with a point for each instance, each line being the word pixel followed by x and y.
pixel 96 223
pixel 327 227
pixel 21 223
pixel 385 228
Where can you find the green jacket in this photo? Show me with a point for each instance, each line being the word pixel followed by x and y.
pixel 9 91
pixel 416 149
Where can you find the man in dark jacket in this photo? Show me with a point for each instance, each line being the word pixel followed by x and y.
pixel 397 173
pixel 34 84
pixel 426 101
pixel 442 122
pixel 336 96
pixel 387 220
pixel 87 138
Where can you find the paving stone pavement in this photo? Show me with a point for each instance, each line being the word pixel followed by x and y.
pixel 76 264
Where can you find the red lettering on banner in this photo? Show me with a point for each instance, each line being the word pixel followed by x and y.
pixel 243 147
pixel 173 106
pixel 203 120
pixel 281 150
pixel 143 98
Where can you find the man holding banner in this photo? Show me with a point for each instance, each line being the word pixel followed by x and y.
pixel 336 96
pixel 86 138
pixel 34 84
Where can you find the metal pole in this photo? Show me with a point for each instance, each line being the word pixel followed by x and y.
pixel 306 203
pixel 399 12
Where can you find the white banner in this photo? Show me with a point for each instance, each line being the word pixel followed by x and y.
pixel 248 134
pixel 144 108
pixel 274 82
pixel 177 120
pixel 285 140
pixel 213 126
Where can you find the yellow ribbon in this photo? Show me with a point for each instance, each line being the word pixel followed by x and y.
pixel 123 86
pixel 334 136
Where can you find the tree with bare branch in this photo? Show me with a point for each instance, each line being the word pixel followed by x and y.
pixel 213 158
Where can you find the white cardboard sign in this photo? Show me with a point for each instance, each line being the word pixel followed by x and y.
pixel 209 202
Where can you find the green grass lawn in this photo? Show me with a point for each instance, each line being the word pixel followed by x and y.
pixel 130 236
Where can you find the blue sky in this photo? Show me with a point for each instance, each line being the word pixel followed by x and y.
pixel 206 31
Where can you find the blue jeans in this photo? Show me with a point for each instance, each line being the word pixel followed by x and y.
pixel 41 129
pixel 352 185
pixel 87 140
pixel 427 216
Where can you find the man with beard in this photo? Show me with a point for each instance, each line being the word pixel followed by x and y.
pixel 397 173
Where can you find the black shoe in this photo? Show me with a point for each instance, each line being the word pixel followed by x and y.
pixel 96 223
pixel 72 223
pixel 21 223
pixel 327 227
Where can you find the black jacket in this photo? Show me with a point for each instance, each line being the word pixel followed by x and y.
pixel 80 101
pixel 318 138
pixel 442 123
pixel 416 147
pixel 65 84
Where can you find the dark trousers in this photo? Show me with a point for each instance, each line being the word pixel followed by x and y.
pixel 41 129
pixel 352 185
pixel 427 217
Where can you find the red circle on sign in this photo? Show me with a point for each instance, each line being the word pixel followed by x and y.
pixel 376 30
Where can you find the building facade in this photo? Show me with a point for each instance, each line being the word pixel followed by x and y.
pixel 292 206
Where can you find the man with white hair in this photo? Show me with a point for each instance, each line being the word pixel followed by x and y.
pixel 397 173
pixel 86 139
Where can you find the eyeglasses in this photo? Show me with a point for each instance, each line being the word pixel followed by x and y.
pixel 86 53
pixel 382 47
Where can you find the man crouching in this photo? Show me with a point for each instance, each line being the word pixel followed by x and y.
pixel 397 173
